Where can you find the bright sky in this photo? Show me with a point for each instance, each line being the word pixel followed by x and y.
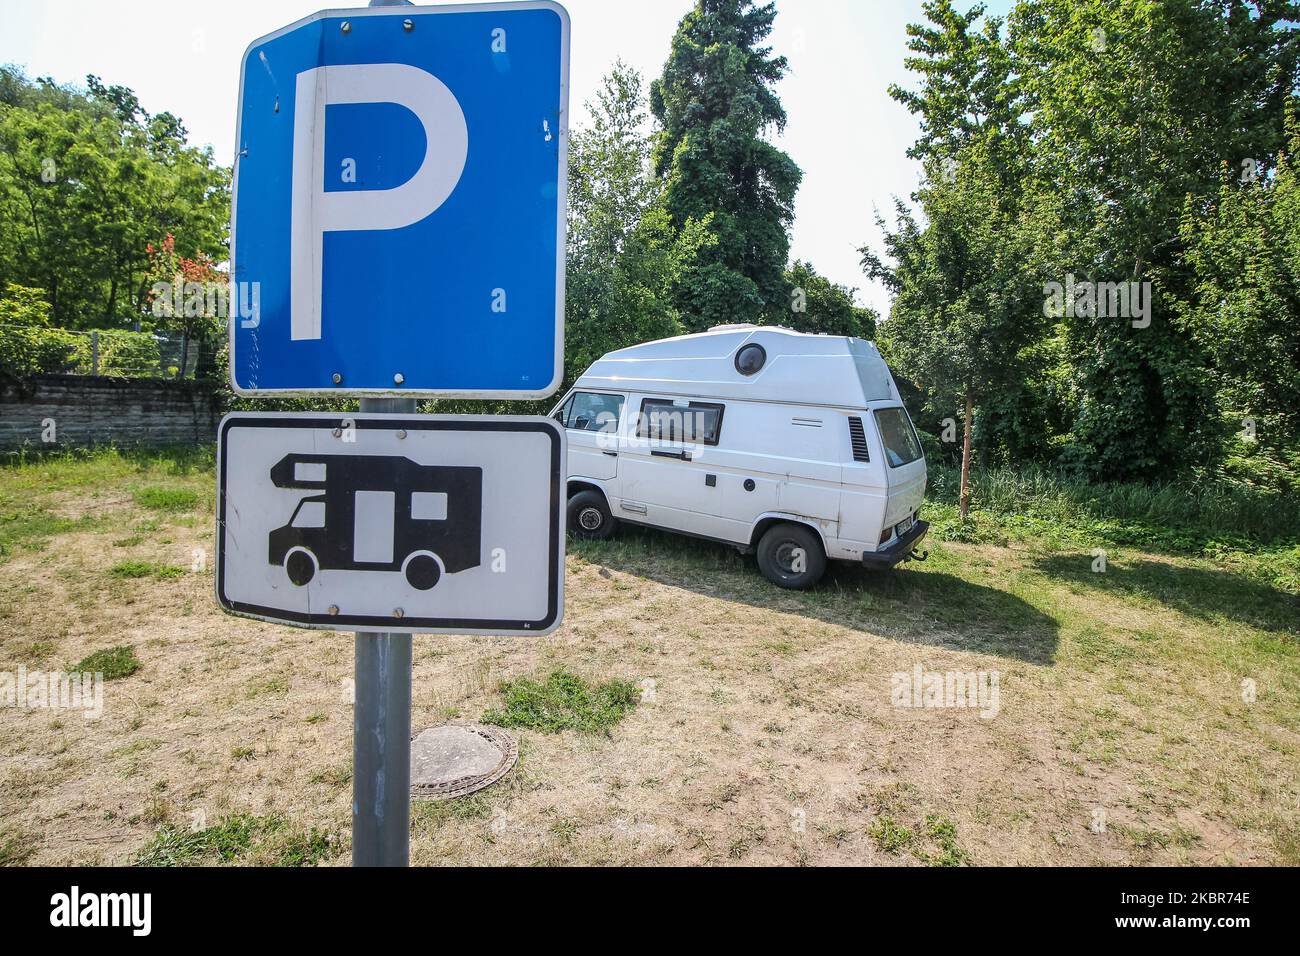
pixel 844 131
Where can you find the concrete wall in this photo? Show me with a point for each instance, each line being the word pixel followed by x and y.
pixel 88 410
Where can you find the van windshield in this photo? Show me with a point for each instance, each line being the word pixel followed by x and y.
pixel 896 434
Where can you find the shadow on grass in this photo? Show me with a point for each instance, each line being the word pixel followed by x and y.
pixel 916 603
pixel 1210 594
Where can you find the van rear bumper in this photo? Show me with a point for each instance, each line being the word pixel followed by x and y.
pixel 899 550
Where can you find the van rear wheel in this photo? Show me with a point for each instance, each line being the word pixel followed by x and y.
pixel 791 556
pixel 589 516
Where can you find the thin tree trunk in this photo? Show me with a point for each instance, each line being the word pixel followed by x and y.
pixel 964 499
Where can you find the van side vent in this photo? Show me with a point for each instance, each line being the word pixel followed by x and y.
pixel 859 439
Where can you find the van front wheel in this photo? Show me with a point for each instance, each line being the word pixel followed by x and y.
pixel 791 556
pixel 589 516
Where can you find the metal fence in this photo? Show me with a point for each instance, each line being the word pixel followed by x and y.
pixel 110 352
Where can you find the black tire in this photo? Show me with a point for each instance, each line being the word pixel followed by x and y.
pixel 589 516
pixel 422 572
pixel 300 567
pixel 779 556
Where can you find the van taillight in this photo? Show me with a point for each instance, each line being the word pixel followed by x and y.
pixel 884 535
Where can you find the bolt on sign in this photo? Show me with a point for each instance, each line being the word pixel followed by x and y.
pixel 401 523
pixel 399 203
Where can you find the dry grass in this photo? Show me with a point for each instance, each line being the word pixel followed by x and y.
pixel 766 733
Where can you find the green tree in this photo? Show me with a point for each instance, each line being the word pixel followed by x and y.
pixel 819 305
pixel 714 103
pixel 968 91
pixel 624 255
pixel 193 301
pixel 965 310
pixel 87 180
pixel 964 289
pixel 1244 250
pixel 1101 121
pixel 1135 106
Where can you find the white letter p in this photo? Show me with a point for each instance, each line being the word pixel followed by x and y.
pixel 316 212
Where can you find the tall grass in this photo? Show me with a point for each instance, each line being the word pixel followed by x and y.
pixel 61 467
pixel 1216 509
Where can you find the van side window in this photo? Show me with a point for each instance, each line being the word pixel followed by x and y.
pixel 593 412
pixel 692 423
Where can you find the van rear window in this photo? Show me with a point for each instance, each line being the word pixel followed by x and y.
pixel 898 436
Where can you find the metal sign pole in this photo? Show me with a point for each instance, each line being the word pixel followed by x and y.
pixel 381 731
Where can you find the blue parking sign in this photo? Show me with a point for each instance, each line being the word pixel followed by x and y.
pixel 398 217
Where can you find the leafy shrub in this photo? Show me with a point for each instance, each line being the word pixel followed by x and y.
pixel 28 345
pixel 1179 515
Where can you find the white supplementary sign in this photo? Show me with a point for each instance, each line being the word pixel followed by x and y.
pixel 414 523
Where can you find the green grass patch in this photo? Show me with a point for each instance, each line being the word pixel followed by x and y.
pixel 890 835
pixel 944 850
pixel 114 662
pixel 167 499
pixel 564 701
pixel 29 527
pixel 145 569
pixel 932 841
pixel 16 847
pixel 269 840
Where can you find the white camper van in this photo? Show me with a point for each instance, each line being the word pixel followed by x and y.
pixel 792 445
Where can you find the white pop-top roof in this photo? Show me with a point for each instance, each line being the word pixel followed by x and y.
pixel 801 368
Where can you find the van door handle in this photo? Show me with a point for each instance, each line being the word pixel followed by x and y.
pixel 683 455
pixel 612 454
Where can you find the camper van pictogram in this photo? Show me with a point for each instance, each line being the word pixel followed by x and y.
pixel 378 513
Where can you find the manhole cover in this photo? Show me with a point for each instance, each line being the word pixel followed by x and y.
pixel 456 759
